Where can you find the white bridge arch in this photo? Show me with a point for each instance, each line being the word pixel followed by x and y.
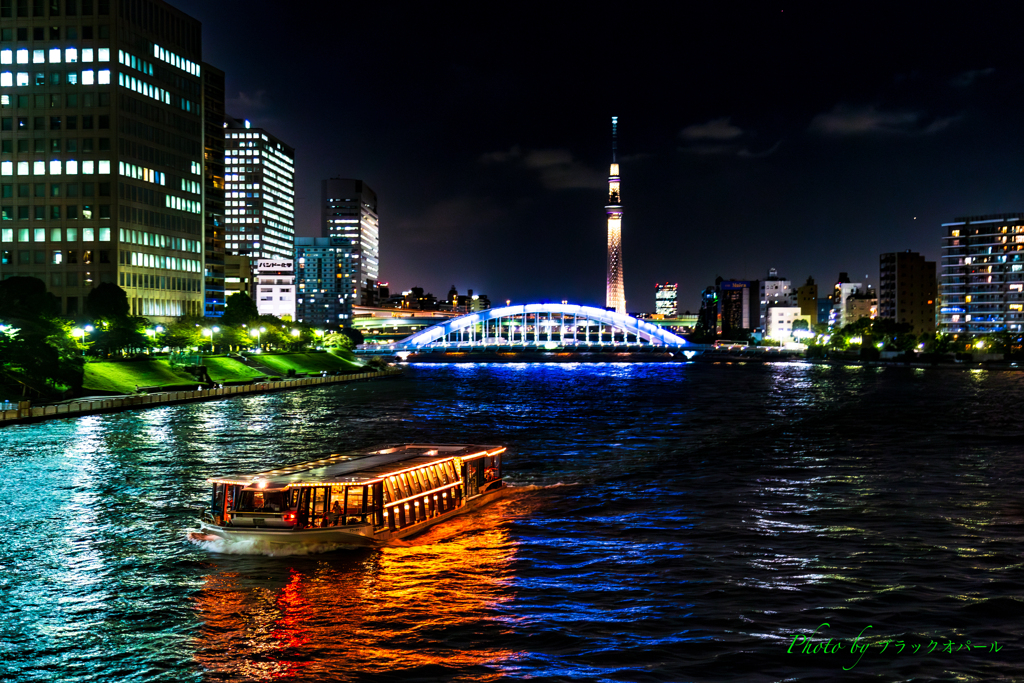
pixel 542 326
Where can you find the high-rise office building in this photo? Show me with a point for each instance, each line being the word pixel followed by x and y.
pixel 982 281
pixel 101 151
pixel 666 299
pixel 213 189
pixel 907 290
pixel 615 294
pixel 348 209
pixel 259 192
pixel 324 269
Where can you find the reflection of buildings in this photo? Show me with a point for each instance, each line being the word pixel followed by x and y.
pixel 350 615
pixel 666 300
pixel 907 290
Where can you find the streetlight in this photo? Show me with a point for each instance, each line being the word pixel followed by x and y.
pixel 209 332
pixel 256 333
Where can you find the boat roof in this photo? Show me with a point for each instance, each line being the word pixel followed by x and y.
pixel 358 467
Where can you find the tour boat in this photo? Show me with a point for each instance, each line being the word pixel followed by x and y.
pixel 361 497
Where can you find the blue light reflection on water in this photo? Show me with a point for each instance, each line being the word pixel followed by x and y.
pixel 673 522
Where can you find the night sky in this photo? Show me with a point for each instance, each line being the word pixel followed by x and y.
pixel 809 140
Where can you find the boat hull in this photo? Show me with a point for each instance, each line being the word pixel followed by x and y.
pixel 357 535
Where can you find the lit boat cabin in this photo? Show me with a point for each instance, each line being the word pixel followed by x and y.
pixel 388 487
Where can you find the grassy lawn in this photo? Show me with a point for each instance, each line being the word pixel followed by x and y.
pixel 305 362
pixel 122 376
pixel 223 369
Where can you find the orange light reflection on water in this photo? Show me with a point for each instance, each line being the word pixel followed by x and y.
pixel 432 602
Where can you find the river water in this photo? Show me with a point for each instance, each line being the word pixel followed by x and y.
pixel 671 522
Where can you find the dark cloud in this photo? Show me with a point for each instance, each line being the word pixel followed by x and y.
pixel 969 78
pixel 556 168
pixel 247 104
pixel 845 120
pixel 718 129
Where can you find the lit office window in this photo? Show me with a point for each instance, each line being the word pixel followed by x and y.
pixel 54 55
pixel 6 79
pixel 87 77
pixel 23 56
pixel 39 56
pixel 22 78
pixel 6 56
pixel 103 77
pixel 71 55
pixel 87 54
pixel 103 54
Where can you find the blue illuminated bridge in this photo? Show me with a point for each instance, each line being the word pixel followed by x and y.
pixel 539 327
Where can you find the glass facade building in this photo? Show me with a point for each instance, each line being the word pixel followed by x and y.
pixel 259 192
pixel 324 270
pixel 101 151
pixel 982 281
pixel 349 210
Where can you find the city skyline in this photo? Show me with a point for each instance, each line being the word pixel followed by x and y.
pixel 807 145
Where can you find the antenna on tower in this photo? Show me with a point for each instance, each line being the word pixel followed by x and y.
pixel 615 137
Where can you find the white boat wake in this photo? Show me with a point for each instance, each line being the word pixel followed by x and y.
pixel 250 546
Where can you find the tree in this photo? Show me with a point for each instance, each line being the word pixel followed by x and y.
pixel 181 335
pixel 122 336
pixel 240 310
pixel 801 324
pixel 336 340
pixel 26 298
pixel 39 354
pixel 355 335
pixel 107 302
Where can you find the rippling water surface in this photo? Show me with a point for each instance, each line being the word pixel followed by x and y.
pixel 670 523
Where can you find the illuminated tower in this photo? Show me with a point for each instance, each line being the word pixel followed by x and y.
pixel 615 297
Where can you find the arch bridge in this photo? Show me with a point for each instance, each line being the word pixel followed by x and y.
pixel 537 327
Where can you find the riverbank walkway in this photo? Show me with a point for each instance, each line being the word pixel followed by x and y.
pixel 111 404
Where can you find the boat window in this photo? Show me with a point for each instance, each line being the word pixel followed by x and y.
pixel 449 467
pixel 403 486
pixel 320 501
pixel 431 474
pixel 387 495
pixel 355 504
pixel 262 501
pixel 440 473
pixel 492 467
pixel 424 480
pixel 410 483
pixel 392 485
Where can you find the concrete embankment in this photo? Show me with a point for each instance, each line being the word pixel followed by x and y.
pixel 27 413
